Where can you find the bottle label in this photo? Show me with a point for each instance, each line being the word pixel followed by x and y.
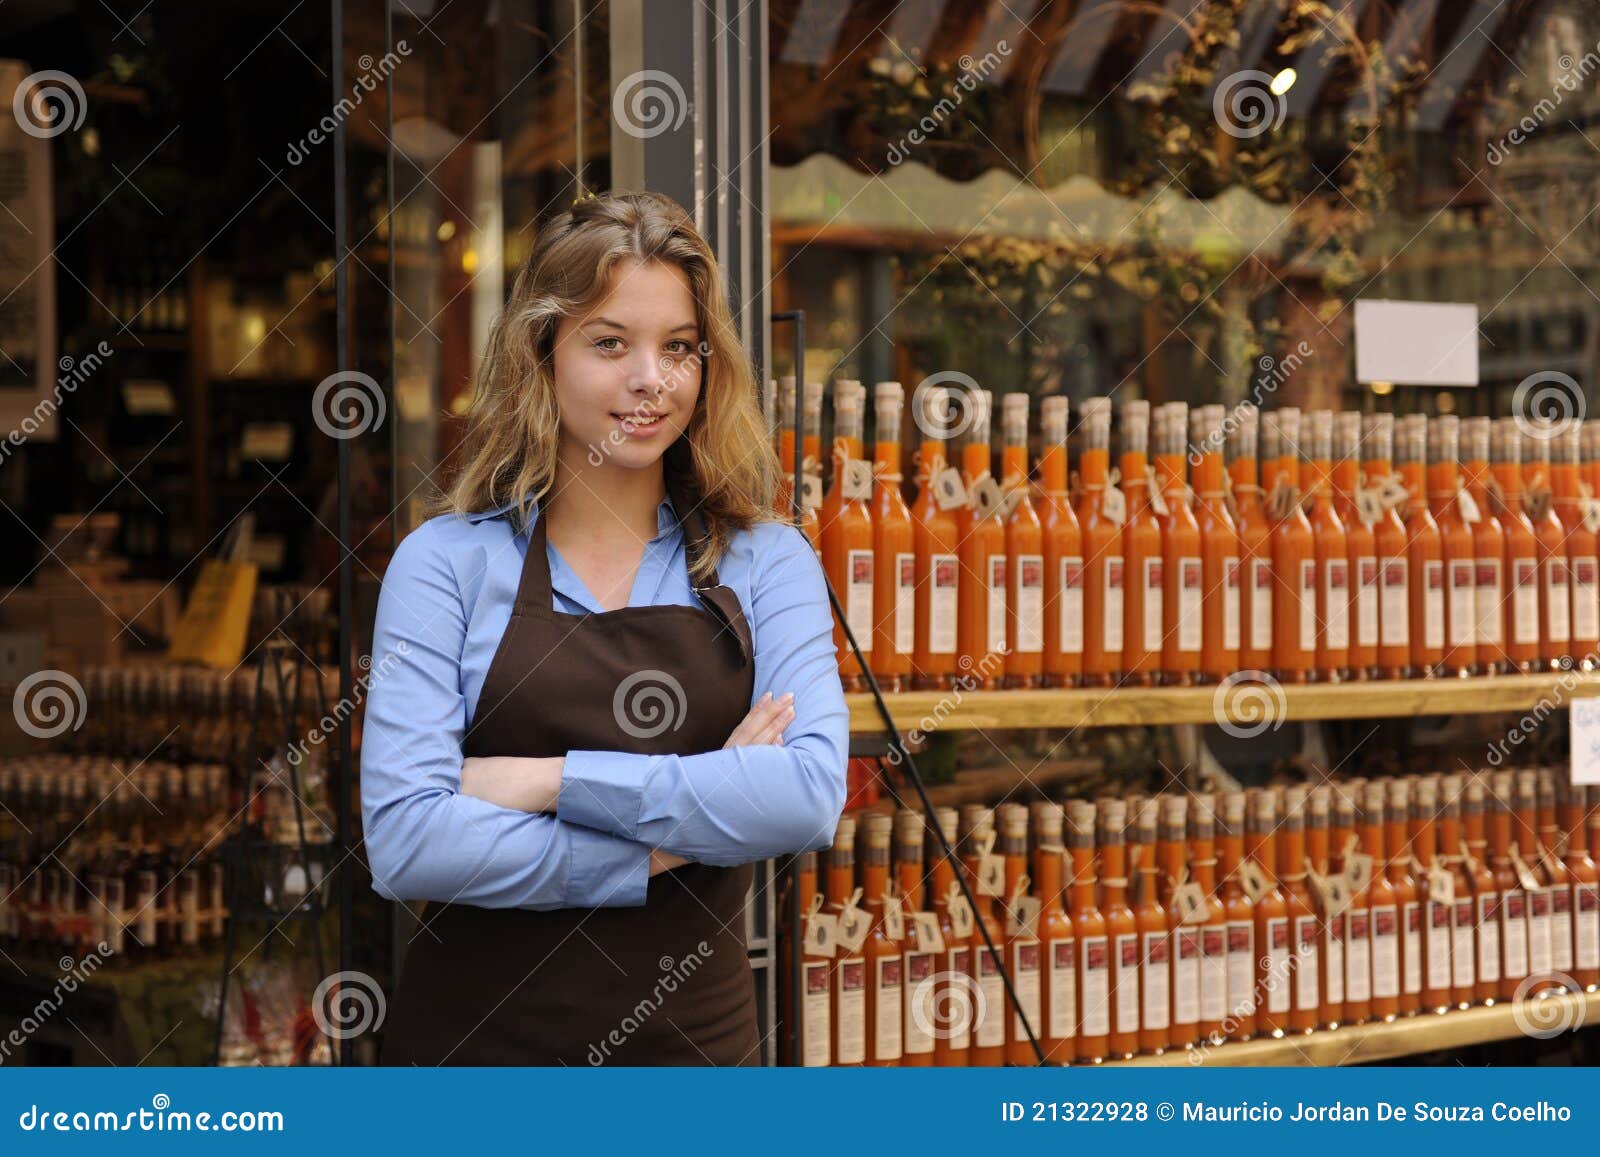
pixel 816 1047
pixel 1525 601
pixel 218 903
pixel 1514 933
pixel 1030 603
pixel 1096 973
pixel 1557 599
pixel 1463 602
pixel 1440 930
pixel 1213 973
pixel 1433 604
pixel 1230 604
pixel 1305 963
pixel 1260 604
pixel 1063 989
pixel 889 1007
pixel 858 598
pixel 116 896
pixel 1025 979
pixel 919 995
pixel 1586 924
pixel 1540 957
pixel 1585 607
pixel 1490 612
pixel 1190 585
pixel 1488 937
pixel 1157 980
pixel 942 604
pixel 1367 601
pixel 189 906
pixel 1111 625
pixel 1333 936
pixel 1411 948
pixel 1394 622
pixel 1186 976
pixel 1127 982
pixel 905 602
pixel 959 966
pixel 146 911
pixel 1385 952
pixel 1336 597
pixel 1561 928
pixel 989 1027
pixel 1358 957
pixel 1308 604
pixel 1277 978
pixel 1241 992
pixel 1071 641
pixel 1152 604
pixel 851 978
pixel 1463 971
pixel 996 633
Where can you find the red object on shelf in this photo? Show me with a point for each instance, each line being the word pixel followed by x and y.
pixel 861 783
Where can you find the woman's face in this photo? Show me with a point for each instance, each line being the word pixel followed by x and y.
pixel 628 370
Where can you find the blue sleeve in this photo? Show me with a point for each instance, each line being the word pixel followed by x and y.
pixel 740 804
pixel 425 840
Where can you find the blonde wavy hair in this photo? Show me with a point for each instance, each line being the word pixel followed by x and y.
pixel 509 448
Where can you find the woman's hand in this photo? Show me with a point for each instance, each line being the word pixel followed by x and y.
pixel 664 862
pixel 765 722
pixel 516 782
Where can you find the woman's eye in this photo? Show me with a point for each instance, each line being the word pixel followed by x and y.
pixel 681 348
pixel 610 349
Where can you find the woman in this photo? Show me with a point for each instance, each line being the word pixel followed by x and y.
pixel 604 676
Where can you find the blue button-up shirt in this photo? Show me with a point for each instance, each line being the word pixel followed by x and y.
pixel 445 603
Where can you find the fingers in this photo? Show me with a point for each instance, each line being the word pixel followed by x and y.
pixel 765 722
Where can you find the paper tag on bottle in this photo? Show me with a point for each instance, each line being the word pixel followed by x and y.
pixel 1369 507
pixel 810 490
pixel 925 927
pixel 1537 503
pixel 1334 892
pixel 822 934
pixel 856 482
pixel 1114 505
pixel 1023 918
pixel 1281 500
pixel 894 918
pixel 1469 506
pixel 949 492
pixel 854 924
pixel 960 917
pixel 1255 881
pixel 1441 885
pixel 1525 875
pixel 992 876
pixel 1158 500
pixel 1191 902
pixel 1392 491
pixel 986 497
pixel 1357 872
pixel 1591 515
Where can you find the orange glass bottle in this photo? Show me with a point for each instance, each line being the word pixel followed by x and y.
pixel 1509 870
pixel 1389 540
pixel 1345 839
pixel 1183 938
pixel 952 1041
pixel 1213 930
pixel 1155 942
pixel 1331 925
pixel 1331 549
pixel 1141 552
pixel 1555 585
pixel 784 444
pixel 1489 546
pixel 1485 898
pixel 1058 1027
pixel 1294 558
pixel 1424 550
pixel 1457 545
pixel 1121 928
pixel 1255 540
pixel 1305 1008
pixel 1583 831
pixel 1360 546
pixel 1182 563
pixel 1525 820
pixel 849 967
pixel 1274 966
pixel 1102 510
pixel 1570 507
pixel 1240 1014
pixel 1221 575
pixel 989 1011
pixel 1022 954
pixel 816 993
pixel 936 536
pixel 921 963
pixel 1383 908
pixel 884 952
pixel 1063 553
pixel 1463 927
pixel 1025 582
pixel 1558 882
pixel 1091 929
pixel 982 550
pixel 1438 907
pixel 1520 607
pixel 811 464
pixel 894 564
pixel 847 535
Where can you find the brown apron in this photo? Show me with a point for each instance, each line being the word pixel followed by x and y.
pixel 589 986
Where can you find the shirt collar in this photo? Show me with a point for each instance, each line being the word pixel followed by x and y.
pixel 666 514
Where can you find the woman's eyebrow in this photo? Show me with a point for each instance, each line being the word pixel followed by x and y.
pixel 606 321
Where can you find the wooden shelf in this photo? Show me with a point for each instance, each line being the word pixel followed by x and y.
pixel 1365 1043
pixel 1140 707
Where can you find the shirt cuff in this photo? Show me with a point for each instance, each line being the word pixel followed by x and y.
pixel 603 790
pixel 606 871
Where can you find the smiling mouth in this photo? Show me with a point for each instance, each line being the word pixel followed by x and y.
pixel 641 421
